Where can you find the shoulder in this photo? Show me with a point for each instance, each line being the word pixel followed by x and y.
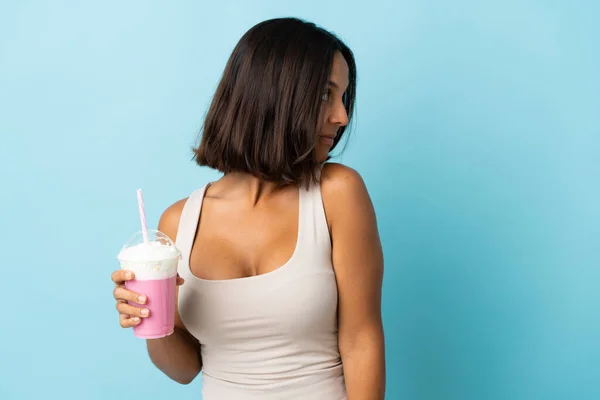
pixel 169 220
pixel 340 182
pixel 344 193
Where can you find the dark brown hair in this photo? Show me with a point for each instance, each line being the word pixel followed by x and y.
pixel 264 115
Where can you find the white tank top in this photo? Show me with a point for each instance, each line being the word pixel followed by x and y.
pixel 270 336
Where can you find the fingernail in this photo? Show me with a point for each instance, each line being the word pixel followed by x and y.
pixel 128 275
pixel 142 299
pixel 136 319
pixel 145 312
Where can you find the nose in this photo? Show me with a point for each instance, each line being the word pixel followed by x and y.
pixel 339 116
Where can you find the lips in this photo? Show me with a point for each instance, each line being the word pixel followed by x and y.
pixel 327 139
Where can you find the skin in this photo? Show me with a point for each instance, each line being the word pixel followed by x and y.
pixel 265 217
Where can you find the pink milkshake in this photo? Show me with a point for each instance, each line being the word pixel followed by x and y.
pixel 153 259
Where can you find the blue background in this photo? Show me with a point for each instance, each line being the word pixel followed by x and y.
pixel 477 133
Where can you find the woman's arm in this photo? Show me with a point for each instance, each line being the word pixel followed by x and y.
pixel 177 355
pixel 358 264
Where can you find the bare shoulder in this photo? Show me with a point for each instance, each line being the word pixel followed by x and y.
pixel 344 192
pixel 169 220
pixel 338 176
pixel 341 183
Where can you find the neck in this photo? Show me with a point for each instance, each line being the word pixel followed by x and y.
pixel 246 186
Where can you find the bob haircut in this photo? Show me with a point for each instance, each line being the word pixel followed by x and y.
pixel 264 115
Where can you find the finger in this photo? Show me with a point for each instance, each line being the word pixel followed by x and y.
pixel 120 293
pixel 180 280
pixel 119 277
pixel 133 311
pixel 127 321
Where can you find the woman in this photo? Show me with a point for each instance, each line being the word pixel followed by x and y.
pixel 282 265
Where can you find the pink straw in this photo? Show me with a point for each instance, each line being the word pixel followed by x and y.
pixel 142 215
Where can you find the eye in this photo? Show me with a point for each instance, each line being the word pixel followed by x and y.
pixel 326 95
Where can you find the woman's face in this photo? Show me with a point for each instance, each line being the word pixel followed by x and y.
pixel 333 113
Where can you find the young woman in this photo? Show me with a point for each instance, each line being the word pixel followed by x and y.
pixel 280 280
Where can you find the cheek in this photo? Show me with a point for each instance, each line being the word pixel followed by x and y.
pixel 322 119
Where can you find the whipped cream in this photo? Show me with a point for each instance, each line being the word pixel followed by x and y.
pixel 148 261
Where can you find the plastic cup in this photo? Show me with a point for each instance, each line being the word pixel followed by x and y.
pixel 154 264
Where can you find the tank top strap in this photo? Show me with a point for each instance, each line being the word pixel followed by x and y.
pixel 188 223
pixel 313 222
